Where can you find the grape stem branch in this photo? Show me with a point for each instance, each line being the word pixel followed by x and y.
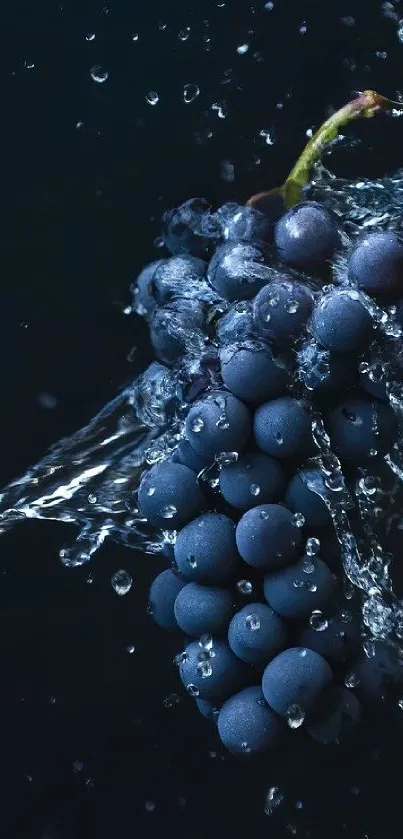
pixel 367 104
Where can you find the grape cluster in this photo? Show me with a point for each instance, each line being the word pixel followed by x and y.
pixel 256 584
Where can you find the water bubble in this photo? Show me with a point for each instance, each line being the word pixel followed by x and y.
pixel 242 49
pixel 152 97
pixel 29 65
pixel 135 36
pixel 181 658
pixel 303 653
pixel 191 559
pixel 90 36
pixel 78 766
pixel 121 582
pixel 169 511
pixel 244 587
pixel 92 499
pixel 295 716
pixel 150 491
pixel 197 424
pixel 399 32
pixel 99 74
pixel 192 689
pixel 222 423
pixel 267 317
pixel 150 806
pixel 307 565
pixel 317 621
pixel 252 622
pixel 274 800
pixel 130 648
pixel 190 93
pixel 299 584
pixel 298 520
pixel 206 642
pixel 255 489
pixel 246 747
pixel 292 307
pixel 312 546
pixel 303 28
pixel 204 669
pixel 312 587
pixel 264 515
pixel 400 704
pixel 162 25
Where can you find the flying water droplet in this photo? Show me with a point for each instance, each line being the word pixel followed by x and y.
pixel 274 800
pixel 99 74
pixel 244 587
pixel 152 97
pixel 190 93
pixel 122 582
pixel 298 520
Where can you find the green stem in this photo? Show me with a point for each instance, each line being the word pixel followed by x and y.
pixel 366 105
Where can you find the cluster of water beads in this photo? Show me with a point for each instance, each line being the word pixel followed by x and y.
pixel 91 477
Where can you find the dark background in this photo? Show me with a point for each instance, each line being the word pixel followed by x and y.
pixel 92 742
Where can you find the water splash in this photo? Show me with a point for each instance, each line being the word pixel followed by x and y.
pixel 91 478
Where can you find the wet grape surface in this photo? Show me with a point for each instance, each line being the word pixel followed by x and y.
pixel 92 163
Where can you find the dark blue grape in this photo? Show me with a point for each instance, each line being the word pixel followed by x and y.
pixel 376 264
pixel 185 228
pixel 300 589
pixel 254 479
pixel 377 677
pixel 337 638
pixel 283 428
pixel 173 326
pixel 339 712
pixel 176 277
pixel 361 428
pixel 212 674
pixel 203 609
pixel 246 725
pixel 307 236
pixel 169 495
pixel 256 634
pixel 281 310
pixel 267 537
pixel 217 423
pixel 304 495
pixel 208 710
pixel 205 549
pixel 296 677
pixel 163 593
pixel 187 456
pixel 237 271
pixel 251 372
pixel 142 289
pixel 341 322
pixel 245 224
